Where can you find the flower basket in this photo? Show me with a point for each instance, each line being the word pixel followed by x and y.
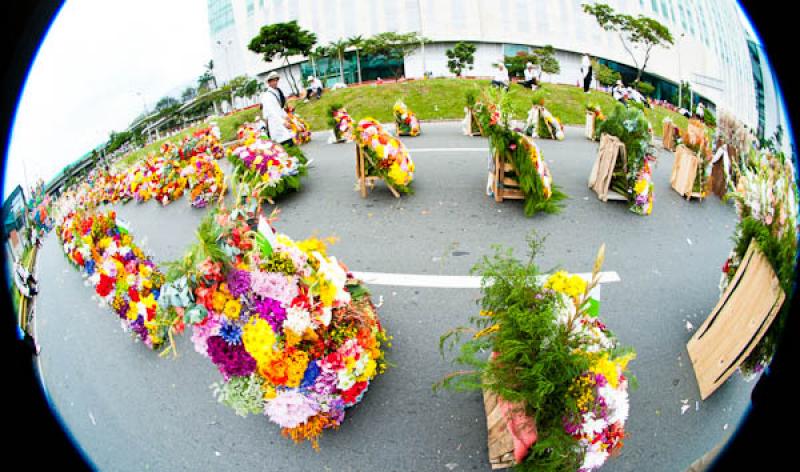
pixel 405 120
pixel 381 156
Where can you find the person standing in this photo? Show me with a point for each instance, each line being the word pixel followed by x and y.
pixel 700 111
pixel 500 76
pixel 586 72
pixel 273 102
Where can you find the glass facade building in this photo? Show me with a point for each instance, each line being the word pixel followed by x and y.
pixel 710 50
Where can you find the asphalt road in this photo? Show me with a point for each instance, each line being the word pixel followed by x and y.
pixel 131 410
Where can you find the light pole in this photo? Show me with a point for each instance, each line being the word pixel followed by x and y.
pixel 680 75
pixel 225 47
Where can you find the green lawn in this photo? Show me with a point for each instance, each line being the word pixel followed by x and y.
pixel 433 99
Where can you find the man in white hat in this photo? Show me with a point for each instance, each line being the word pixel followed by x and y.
pixel 273 102
pixel 531 79
pixel 314 88
pixel 618 91
pixel 500 76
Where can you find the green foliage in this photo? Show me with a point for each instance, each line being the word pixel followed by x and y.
pixel 252 178
pixel 243 394
pixel 605 75
pixel 646 88
pixel 636 33
pixel 331 110
pixel 536 361
pixel 631 127
pixel 546 58
pixel 781 254
pixel 684 98
pixel 516 64
pixel 283 40
pixel 709 119
pixel 461 57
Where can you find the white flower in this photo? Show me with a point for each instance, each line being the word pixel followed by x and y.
pixel 346 380
pixel 325 317
pixel 593 426
pixel 332 271
pixel 594 458
pixel 297 320
pixel 617 402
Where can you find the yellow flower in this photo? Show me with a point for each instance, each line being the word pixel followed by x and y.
pixel 397 174
pixel 269 391
pixel 258 340
pixel 640 186
pixel 218 301
pixel 232 309
pixel 369 371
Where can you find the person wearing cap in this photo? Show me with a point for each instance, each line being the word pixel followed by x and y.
pixel 500 76
pixel 314 88
pixel 618 91
pixel 273 103
pixel 531 75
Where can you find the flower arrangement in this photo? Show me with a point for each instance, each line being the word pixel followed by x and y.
pixel 532 173
pixel 557 369
pixel 386 156
pixel 267 166
pixel 301 132
pixel 341 123
pixel 549 125
pixel 293 334
pixel 122 276
pixel 406 120
pixel 632 176
pixel 766 198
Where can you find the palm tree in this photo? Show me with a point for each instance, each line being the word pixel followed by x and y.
pixel 210 71
pixel 316 53
pixel 338 47
pixel 356 41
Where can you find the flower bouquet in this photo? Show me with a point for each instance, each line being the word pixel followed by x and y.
pixel 293 334
pixel 766 197
pixel 122 276
pixel 406 121
pixel 205 179
pixel 301 132
pixel 267 166
pixel 341 123
pixel 632 175
pixel 549 125
pixel 558 374
pixel 385 156
pixel 594 116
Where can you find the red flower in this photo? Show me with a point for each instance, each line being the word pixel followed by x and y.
pixel 133 294
pixel 105 285
pixel 351 395
pixel 727 266
pixel 151 313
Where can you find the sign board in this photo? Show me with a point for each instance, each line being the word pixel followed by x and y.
pixel 738 322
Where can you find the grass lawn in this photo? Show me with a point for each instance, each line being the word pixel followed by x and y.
pixel 433 99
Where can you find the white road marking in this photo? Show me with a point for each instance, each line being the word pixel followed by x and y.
pixel 482 149
pixel 447 281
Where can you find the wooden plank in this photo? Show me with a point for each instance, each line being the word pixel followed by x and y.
pixel 614 195
pixel 590 122
pixel 509 182
pixel 611 148
pixel 684 171
pixel 737 323
pixel 500 442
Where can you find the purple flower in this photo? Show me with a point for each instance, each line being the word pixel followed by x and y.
pixel 325 383
pixel 230 359
pixel 641 199
pixel 138 327
pixel 600 380
pixel 272 311
pixel 238 282
pixel 123 309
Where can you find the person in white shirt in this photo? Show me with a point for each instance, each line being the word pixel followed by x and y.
pixel 618 91
pixel 273 102
pixel 700 111
pixel 314 88
pixel 500 76
pixel 586 72
pixel 531 76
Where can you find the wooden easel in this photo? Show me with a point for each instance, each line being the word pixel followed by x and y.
pixel 590 124
pixel 738 322
pixel 684 171
pixel 368 180
pixel 474 127
pixel 668 133
pixel 611 149
pixel 503 187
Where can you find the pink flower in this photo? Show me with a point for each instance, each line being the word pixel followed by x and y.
pixel 290 409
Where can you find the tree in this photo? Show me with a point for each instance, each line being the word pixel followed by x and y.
pixel 357 42
pixel 338 47
pixel 167 103
pixel 461 57
pixel 646 88
pixel 635 33
pixel 546 58
pixel 204 82
pixel 283 40
pixel 605 75
pixel 393 46
pixel 683 98
pixel 188 94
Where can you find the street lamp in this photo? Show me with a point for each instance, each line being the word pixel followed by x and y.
pixel 680 75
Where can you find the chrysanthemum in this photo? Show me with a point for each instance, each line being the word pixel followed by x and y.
pixel 290 408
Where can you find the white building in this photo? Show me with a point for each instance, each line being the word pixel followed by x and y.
pixel 710 51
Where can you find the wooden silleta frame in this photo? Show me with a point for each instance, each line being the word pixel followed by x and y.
pixel 738 322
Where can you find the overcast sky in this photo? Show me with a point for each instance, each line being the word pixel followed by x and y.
pixel 84 81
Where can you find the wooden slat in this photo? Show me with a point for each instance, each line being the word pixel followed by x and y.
pixel 737 323
pixel 509 182
pixel 684 171
pixel 500 442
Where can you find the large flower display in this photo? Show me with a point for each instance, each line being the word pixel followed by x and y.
pixel 558 371
pixel 530 169
pixel 766 198
pixel 632 175
pixel 386 156
pixel 405 119
pixel 123 277
pixel 266 165
pixel 341 124
pixel 293 334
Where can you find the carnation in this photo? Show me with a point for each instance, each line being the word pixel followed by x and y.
pixel 238 282
pixel 290 409
pixel 231 359
pixel 274 285
pixel 297 320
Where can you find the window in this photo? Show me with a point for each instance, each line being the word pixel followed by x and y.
pixel 220 15
pixel 514 49
pixel 251 7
